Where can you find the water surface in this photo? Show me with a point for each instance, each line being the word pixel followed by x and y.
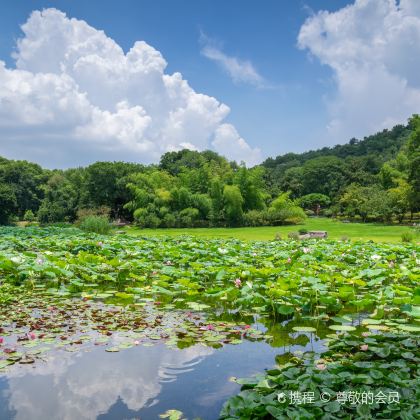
pixel 138 383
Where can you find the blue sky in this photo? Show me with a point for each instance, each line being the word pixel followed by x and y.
pixel 295 93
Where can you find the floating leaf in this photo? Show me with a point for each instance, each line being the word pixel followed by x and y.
pixel 112 349
pixel 304 329
pixel 377 327
pixel 409 328
pixel 342 327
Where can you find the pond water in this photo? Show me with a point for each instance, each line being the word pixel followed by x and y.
pixel 137 383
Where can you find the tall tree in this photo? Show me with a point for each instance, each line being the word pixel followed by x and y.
pixel 233 202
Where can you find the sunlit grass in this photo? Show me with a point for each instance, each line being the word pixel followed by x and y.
pixel 335 229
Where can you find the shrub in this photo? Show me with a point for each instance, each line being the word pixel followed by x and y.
pixel 407 237
pixel 29 216
pixel 254 218
pixel 102 211
pixel 152 221
pixel 327 212
pixel 169 220
pixel 277 237
pixel 284 210
pixel 97 224
pixel 188 216
pixel 303 231
pixel 61 225
pixel 140 217
pixel 293 235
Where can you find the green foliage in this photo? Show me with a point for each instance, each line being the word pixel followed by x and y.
pixel 60 200
pixel 314 202
pixel 255 218
pixel 293 235
pixel 233 202
pixel 103 211
pixel 367 202
pixel 375 179
pixel 29 216
pixel 96 224
pixel 360 300
pixel 413 154
pixel 105 184
pixel 283 210
pixel 8 203
pixel 386 161
pixel 21 189
pixel 188 216
pixel 353 366
pixel 407 237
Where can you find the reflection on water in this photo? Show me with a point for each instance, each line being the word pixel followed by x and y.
pixel 140 382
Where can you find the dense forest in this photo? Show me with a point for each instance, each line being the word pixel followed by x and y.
pixel 377 178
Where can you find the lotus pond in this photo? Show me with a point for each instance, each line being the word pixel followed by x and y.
pixel 115 327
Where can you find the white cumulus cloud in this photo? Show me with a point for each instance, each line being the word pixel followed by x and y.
pixel 226 136
pixel 373 48
pixel 75 97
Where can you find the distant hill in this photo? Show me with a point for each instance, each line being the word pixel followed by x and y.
pixel 357 161
pixel 383 145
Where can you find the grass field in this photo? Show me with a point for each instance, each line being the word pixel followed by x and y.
pixel 335 229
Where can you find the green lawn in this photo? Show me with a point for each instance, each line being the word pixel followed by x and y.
pixel 335 229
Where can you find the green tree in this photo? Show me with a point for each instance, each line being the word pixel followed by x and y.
pixel 60 201
pixel 325 175
pixel 216 196
pixel 105 184
pixel 414 163
pixel 284 210
pixel 233 202
pixel 314 202
pixel 367 202
pixel 250 186
pixel 8 203
pixel 29 216
pixel 26 180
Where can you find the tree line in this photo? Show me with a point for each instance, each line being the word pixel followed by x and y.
pixel 377 178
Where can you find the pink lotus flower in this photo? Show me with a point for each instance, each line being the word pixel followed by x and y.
pixel 154 273
pixel 247 327
pixel 391 264
pixel 238 283
pixel 136 343
pixel 254 254
pixel 210 327
pixel 39 261
pixel 305 250
pixel 32 335
pixel 364 347
pixel 158 303
pixel 289 260
pixel 169 262
pixel 365 334
pixel 321 366
pixel 1 340
pixel 100 243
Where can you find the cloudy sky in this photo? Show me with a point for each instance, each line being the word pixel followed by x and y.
pixel 129 80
